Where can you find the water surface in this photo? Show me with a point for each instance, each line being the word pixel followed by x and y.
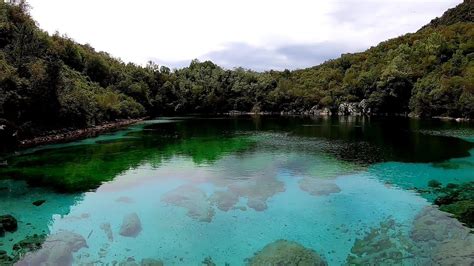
pixel 192 190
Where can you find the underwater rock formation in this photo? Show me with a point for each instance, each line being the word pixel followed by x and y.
pixel 463 210
pixel 128 262
pixel 283 252
pixel 208 262
pixel 29 244
pixel 8 223
pixel 257 204
pixel 224 200
pixel 5 259
pixel 39 203
pixel 108 231
pixel 317 187
pixel 454 253
pixel 382 245
pixel 131 225
pixel 145 262
pixel 257 190
pixel 57 249
pixel 441 239
pixel 435 239
pixel 432 224
pixel 151 262
pixel 457 199
pixel 193 200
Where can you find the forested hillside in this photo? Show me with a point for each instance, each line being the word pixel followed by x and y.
pixel 49 82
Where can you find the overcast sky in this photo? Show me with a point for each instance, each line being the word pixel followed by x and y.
pixel 256 34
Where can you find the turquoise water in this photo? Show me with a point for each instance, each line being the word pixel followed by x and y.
pixel 347 189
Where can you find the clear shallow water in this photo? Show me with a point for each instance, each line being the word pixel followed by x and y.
pixel 353 190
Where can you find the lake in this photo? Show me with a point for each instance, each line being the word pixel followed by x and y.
pixel 247 190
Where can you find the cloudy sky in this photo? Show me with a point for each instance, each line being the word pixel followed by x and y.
pixel 256 34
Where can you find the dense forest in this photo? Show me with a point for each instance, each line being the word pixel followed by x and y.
pixel 49 82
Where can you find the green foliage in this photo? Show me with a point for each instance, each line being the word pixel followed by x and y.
pixel 462 13
pixel 49 82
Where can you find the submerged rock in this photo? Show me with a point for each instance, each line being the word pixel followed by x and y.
pixel 441 239
pixel 29 244
pixel 8 223
pixel 108 231
pixel 144 262
pixel 194 200
pixel 224 200
pixel 257 190
pixel 432 224
pixel 435 239
pixel 457 199
pixel 454 252
pixel 463 210
pixel 384 245
pixel 283 252
pixel 434 184
pixel 318 187
pixel 151 262
pixel 129 262
pixel 208 262
pixel 57 249
pixel 5 259
pixel 257 204
pixel 39 202
pixel 131 225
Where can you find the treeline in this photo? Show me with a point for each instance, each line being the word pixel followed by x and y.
pixel 49 82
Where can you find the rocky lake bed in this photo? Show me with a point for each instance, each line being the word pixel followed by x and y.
pixel 241 191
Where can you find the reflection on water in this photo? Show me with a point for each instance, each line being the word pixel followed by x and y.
pixel 244 191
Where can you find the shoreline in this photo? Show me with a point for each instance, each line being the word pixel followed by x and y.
pixel 306 114
pixel 77 134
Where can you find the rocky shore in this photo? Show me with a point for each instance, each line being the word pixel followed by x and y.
pixel 344 109
pixel 62 136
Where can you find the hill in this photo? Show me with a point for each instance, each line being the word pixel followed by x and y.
pixel 52 82
pixel 464 12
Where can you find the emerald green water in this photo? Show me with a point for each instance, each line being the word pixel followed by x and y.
pixel 353 190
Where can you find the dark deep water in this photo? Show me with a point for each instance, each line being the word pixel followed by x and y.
pixel 347 190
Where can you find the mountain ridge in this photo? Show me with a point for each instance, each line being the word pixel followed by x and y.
pixel 463 12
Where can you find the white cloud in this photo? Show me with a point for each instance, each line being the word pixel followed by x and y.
pixel 180 30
